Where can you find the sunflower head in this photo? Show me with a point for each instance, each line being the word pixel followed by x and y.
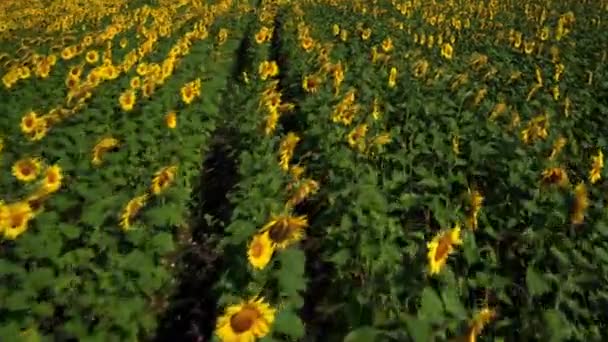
pixel 171 119
pixel 246 321
pixel 28 122
pixel 52 179
pixel 16 218
pixel 441 247
pixel 284 230
pixel 26 170
pixel 260 250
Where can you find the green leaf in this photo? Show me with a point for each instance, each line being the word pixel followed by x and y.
pixel 469 246
pixel 291 271
pixel 431 307
pixel 419 329
pixel 340 257
pixel 163 243
pixel 451 299
pixel 362 334
pixel 535 282
pixel 557 325
pixel 287 322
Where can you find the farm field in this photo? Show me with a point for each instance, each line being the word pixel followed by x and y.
pixel 314 170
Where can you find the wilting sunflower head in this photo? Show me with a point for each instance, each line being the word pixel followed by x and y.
pixel 246 321
pixel 131 210
pixel 555 176
pixel 284 230
pixel 260 250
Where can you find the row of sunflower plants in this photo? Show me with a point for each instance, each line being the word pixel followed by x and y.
pixel 101 148
pixel 356 241
pixel 261 292
pixel 437 103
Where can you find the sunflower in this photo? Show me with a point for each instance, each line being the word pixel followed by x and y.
pixel 131 210
pixel 92 57
pixel 311 83
pixel 162 179
pixel 555 176
pixel 187 93
pixel 68 53
pixel 28 122
pixel 447 51
pixel 26 170
pixel 127 100
pixel 271 120
pixel 307 43
pixel 356 137
pixel 306 188
pixel 475 203
pixel 268 69
pixel 36 200
pixel 596 168
pixel 15 219
pixel 148 88
pixel 580 205
pixel 263 35
pixel 392 78
pixel 102 147
pixel 481 319
pixel 52 179
pixel 387 44
pixel 286 149
pixel 135 82
pixel 441 247
pixel 285 230
pixel 366 33
pixel 260 250
pixel 245 321
pixel 171 119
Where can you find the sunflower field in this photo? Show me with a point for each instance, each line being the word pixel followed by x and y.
pixel 303 170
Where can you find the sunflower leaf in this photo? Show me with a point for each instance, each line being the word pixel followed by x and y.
pixel 535 282
pixel 452 302
pixel 418 329
pixel 287 322
pixel 362 334
pixel 431 307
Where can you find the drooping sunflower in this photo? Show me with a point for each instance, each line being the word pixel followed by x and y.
pixel 260 250
pixel 596 168
pixel 284 230
pixel 555 176
pixel 392 77
pixel 286 149
pixel 104 145
pixel 15 219
pixel 131 210
pixel 163 179
pixel 441 247
pixel 481 319
pixel 27 169
pixel 245 322
pixel 304 189
pixel 580 205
